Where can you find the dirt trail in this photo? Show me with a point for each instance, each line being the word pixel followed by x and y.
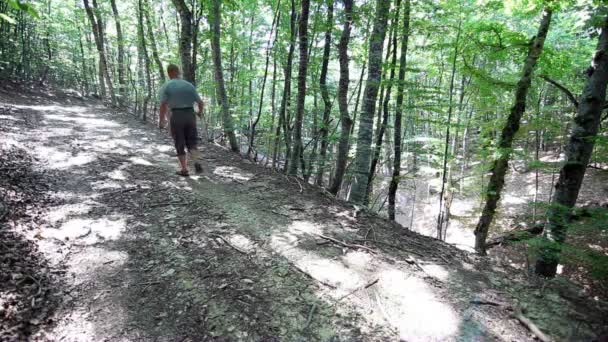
pixel 239 252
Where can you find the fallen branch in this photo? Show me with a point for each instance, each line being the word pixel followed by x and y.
pixel 310 313
pixel 526 322
pixel 390 245
pixel 347 245
pixel 308 275
pixel 516 235
pixel 368 285
pixel 483 302
pixel 229 244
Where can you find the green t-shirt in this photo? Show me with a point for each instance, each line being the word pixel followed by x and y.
pixel 178 93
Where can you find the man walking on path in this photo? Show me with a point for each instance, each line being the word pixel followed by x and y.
pixel 179 96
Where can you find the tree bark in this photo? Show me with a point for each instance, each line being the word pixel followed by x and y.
pixel 384 105
pixel 443 208
pixel 499 166
pixel 144 53
pixel 151 37
pixel 345 120
pixel 97 26
pixel 395 179
pixel 364 138
pixel 323 134
pixel 122 89
pixel 219 75
pixel 578 153
pixel 302 68
pixel 285 101
pixel 185 39
pixel 269 48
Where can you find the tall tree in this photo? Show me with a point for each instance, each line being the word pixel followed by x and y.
pixel 219 74
pixel 366 121
pixel 185 39
pixel 143 46
pixel 505 142
pixel 384 103
pixel 395 179
pixel 302 68
pixel 98 33
pixel 284 122
pixel 152 38
pixel 578 153
pixel 269 49
pixel 329 25
pixel 345 120
pixel 122 89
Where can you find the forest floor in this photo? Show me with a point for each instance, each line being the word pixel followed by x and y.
pixel 100 240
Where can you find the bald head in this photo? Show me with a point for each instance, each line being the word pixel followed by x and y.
pixel 173 71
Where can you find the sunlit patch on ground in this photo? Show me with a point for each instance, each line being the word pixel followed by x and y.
pixel 87 231
pixel 232 172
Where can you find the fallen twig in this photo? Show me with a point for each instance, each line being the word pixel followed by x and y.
pixel 390 245
pixel 368 285
pixel 347 245
pixel 229 244
pixel 310 313
pixel 526 322
pixel 483 302
pixel 308 275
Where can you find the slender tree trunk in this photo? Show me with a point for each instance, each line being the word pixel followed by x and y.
pixel 151 37
pixel 384 105
pixel 285 101
pixel 302 68
pixel 499 166
pixel 185 39
pixel 219 75
pixel 325 94
pixel 442 216
pixel 121 56
pixel 276 20
pixel 364 138
pixel 578 153
pixel 395 179
pixel 97 27
pixel 144 53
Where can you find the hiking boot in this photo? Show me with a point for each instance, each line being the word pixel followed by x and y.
pixel 198 168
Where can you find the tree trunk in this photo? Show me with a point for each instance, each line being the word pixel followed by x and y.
pixel 302 68
pixel 395 179
pixel 345 120
pixel 121 57
pixel 285 101
pixel 276 20
pixel 499 167
pixel 144 53
pixel 325 93
pixel 384 105
pixel 97 26
pixel 151 37
pixel 443 212
pixel 578 154
pixel 364 138
pixel 219 75
pixel 185 39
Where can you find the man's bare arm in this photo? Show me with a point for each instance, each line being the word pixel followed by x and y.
pixel 201 107
pixel 164 107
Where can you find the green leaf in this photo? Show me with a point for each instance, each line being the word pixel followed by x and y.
pixel 7 18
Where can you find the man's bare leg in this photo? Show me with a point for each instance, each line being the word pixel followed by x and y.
pixel 194 155
pixel 183 163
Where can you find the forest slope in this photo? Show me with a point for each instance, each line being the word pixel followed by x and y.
pixel 241 252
